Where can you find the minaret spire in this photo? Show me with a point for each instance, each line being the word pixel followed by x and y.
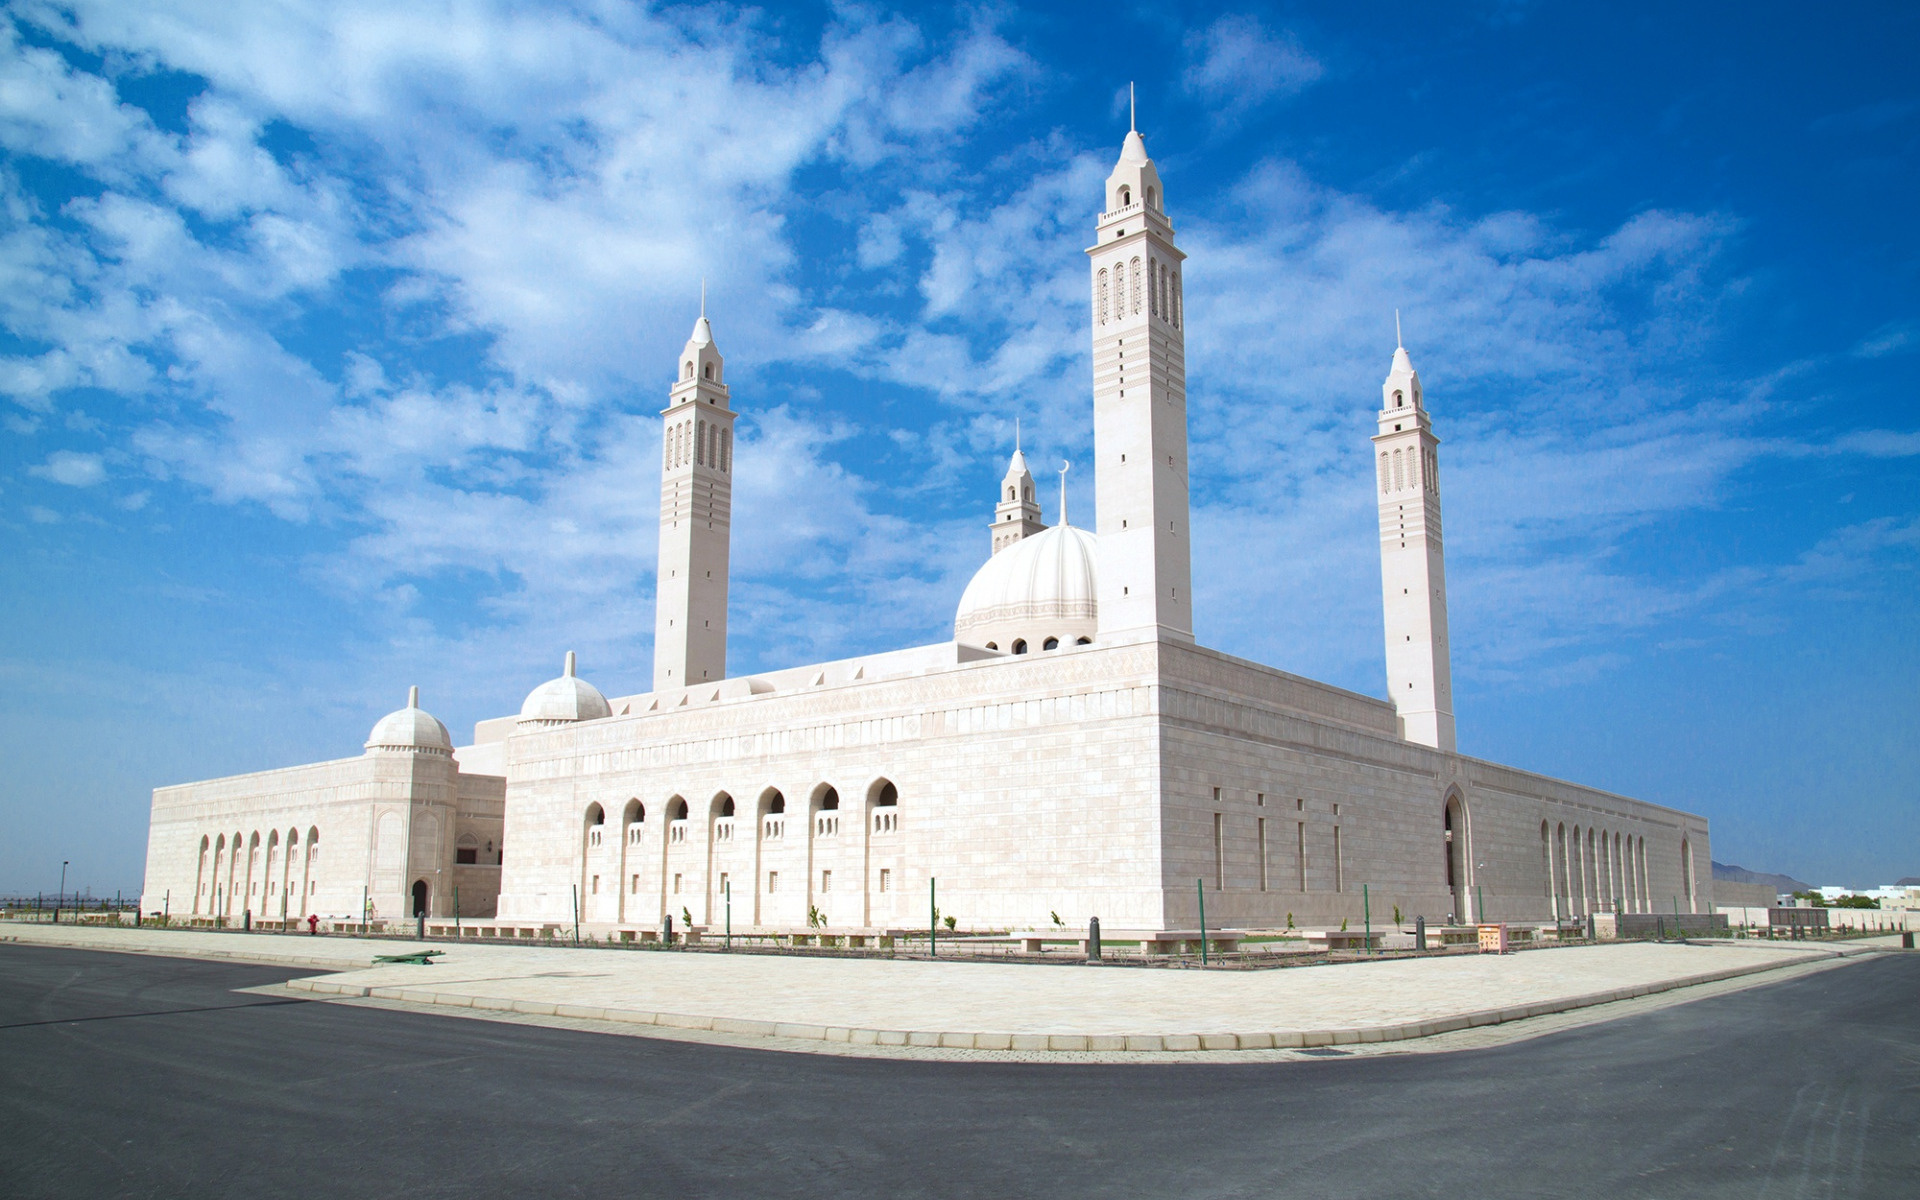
pixel 1065 466
pixel 696 518
pixel 1413 575
pixel 1017 514
pixel 1133 124
pixel 1398 344
pixel 1140 407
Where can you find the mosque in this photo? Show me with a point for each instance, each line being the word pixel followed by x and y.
pixel 1072 751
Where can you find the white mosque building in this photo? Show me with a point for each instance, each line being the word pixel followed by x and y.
pixel 1072 750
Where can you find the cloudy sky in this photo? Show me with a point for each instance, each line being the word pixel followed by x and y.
pixel 332 338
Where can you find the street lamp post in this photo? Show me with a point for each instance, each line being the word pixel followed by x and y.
pixel 61 895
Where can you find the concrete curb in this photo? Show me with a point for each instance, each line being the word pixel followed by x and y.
pixel 1146 1043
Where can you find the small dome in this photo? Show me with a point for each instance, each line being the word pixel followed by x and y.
pixel 1041 587
pixel 564 700
pixel 410 730
pixel 1134 149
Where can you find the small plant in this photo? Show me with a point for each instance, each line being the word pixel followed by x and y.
pixel 686 916
pixel 1289 920
pixel 1396 916
pixel 1058 923
pixel 815 918
pixel 1343 924
pixel 951 922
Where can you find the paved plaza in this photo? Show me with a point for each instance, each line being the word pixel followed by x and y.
pixel 985 1006
pixel 141 1075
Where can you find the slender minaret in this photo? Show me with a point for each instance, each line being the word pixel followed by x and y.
pixel 1140 408
pixel 696 513
pixel 1017 515
pixel 1413 575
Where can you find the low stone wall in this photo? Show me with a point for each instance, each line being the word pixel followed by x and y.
pixel 1645 925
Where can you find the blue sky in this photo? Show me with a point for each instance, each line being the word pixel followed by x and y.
pixel 331 339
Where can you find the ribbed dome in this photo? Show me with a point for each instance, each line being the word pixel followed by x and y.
pixel 410 730
pixel 1044 586
pixel 564 700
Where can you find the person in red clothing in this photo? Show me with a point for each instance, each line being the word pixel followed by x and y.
pixel 313 924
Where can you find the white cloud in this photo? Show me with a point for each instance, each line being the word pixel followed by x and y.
pixel 72 468
pixel 1236 62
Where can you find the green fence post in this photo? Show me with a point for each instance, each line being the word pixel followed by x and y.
pixel 456 912
pixel 933 915
pixel 1479 905
pixel 1366 915
pixel 1200 886
pixel 576 912
pixel 727 891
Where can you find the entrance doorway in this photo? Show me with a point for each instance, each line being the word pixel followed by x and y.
pixel 1456 832
pixel 419 897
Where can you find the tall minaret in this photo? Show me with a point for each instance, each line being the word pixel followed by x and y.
pixel 1017 515
pixel 696 513
pixel 1413 575
pixel 1140 408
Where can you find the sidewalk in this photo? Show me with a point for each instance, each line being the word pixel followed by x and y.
pixel 983 1006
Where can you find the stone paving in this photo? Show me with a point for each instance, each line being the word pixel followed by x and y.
pixel 982 1006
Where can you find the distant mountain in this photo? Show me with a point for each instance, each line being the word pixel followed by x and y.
pixel 1909 881
pixel 1783 883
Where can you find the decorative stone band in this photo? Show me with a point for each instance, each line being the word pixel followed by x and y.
pixel 383 748
pixel 1001 614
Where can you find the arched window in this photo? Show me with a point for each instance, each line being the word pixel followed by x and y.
pixel 1179 303
pixel 596 815
pixel 777 803
pixel 1153 199
pixel 1153 297
pixel 700 445
pixel 1399 400
pixel 677 811
pixel 1020 646
pixel 1012 495
pixel 689 374
pixel 708 370
pixel 726 450
pixel 1052 643
pixel 1119 290
pixel 1085 641
pixel 1133 284
pixel 1399 476
pixel 1126 195
pixel 889 795
pixel 1383 472
pixel 726 806
pixel 1546 858
pixel 1100 296
pixel 830 800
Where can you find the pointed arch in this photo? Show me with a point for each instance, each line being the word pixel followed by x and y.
pixel 1458 852
pixel 1100 296
pixel 200 874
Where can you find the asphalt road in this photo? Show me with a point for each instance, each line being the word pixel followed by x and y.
pixel 123 1075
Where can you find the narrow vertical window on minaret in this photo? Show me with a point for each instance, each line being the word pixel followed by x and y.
pixel 1100 292
pixel 1153 296
pixel 1133 284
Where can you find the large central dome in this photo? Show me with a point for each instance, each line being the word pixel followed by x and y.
pixel 1040 593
